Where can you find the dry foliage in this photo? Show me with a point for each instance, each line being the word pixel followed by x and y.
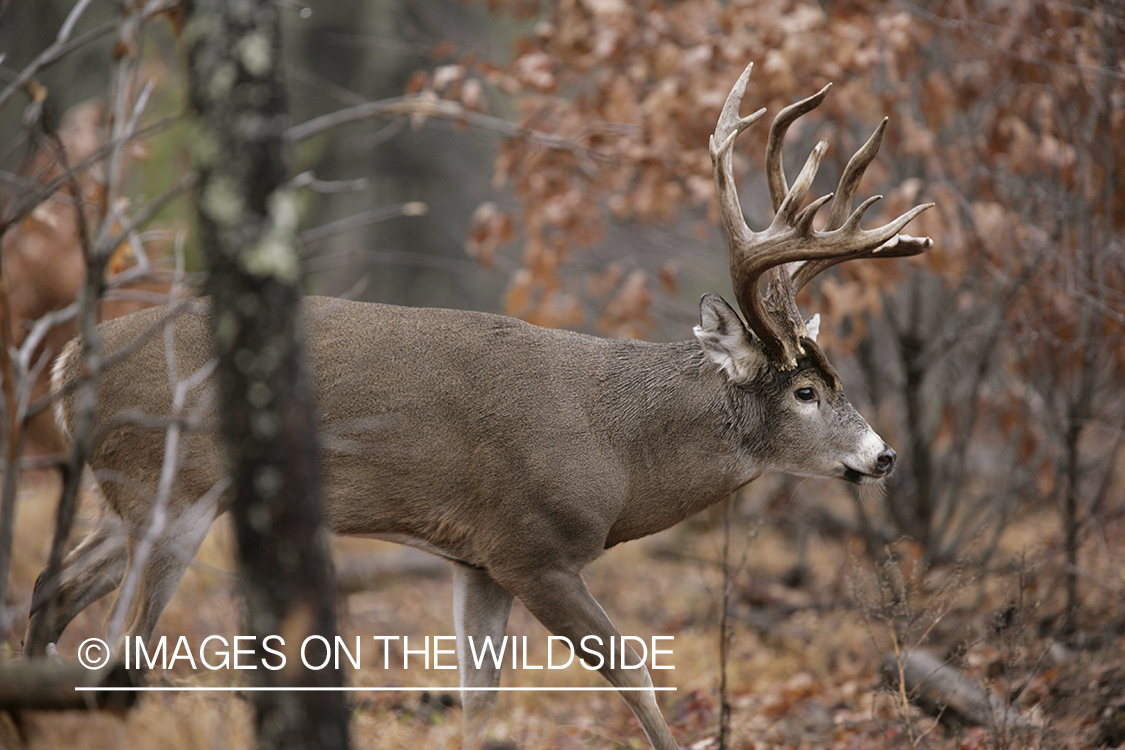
pixel 44 263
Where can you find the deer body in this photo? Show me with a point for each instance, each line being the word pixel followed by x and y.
pixel 438 422
pixel 519 453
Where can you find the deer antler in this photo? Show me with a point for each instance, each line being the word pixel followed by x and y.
pixel 789 248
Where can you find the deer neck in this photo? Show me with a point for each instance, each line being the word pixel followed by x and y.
pixel 675 430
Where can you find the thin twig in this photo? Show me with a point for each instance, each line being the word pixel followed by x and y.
pixel 361 219
pixel 146 213
pixel 158 517
pixel 31 194
pixel 62 46
pixel 724 630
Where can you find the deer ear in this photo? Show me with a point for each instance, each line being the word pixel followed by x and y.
pixel 812 325
pixel 725 339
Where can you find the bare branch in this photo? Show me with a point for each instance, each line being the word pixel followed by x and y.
pixel 59 49
pixel 424 105
pixel 309 180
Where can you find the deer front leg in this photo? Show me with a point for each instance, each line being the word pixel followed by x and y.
pixel 561 601
pixel 480 610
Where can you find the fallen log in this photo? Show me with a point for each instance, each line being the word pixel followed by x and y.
pixel 944 691
pixel 50 686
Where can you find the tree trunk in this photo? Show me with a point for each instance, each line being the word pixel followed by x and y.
pixel 247 226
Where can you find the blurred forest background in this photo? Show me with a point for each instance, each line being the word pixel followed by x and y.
pixel 549 160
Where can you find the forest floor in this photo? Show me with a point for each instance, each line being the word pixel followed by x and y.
pixel 817 634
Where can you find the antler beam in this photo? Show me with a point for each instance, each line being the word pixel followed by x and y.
pixel 790 248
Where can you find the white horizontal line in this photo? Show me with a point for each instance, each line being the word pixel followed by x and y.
pixel 164 689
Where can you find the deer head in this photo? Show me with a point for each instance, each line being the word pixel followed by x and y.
pixel 814 430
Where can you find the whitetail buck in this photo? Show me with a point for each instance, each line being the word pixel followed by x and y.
pixel 520 454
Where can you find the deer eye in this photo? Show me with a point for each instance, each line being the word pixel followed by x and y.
pixel 806 394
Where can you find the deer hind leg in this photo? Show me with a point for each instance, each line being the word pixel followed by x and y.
pixel 560 600
pixel 480 610
pixel 91 570
pixel 154 574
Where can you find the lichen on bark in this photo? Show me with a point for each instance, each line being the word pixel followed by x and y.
pixel 248 223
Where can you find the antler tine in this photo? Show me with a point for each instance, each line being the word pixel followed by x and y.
pixel 721 147
pixel 785 214
pixel 849 180
pixel 730 124
pixel 898 246
pixel 775 170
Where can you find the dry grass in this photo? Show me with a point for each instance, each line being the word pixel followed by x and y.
pixel 805 669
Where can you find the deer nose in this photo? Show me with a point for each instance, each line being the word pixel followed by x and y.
pixel 886 461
